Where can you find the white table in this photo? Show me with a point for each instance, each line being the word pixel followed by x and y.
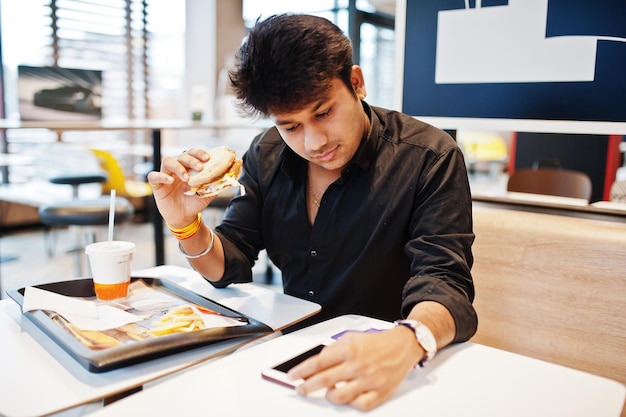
pixel 37 377
pixel 463 380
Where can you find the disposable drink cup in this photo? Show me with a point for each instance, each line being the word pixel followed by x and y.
pixel 110 264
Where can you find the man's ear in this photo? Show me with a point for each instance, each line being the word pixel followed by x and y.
pixel 358 82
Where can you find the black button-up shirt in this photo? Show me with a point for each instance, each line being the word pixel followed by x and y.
pixel 395 229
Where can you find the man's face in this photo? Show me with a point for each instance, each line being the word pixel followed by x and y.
pixel 327 133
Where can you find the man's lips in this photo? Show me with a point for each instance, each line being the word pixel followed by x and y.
pixel 326 156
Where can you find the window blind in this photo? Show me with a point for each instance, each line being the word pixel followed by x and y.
pixel 107 35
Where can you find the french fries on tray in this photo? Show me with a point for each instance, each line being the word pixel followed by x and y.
pixel 178 320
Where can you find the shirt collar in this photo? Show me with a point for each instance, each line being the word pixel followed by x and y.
pixel 366 151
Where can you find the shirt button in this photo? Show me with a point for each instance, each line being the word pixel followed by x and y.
pixel 311 293
pixel 313 253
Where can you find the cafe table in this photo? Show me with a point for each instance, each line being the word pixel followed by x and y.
pixel 37 377
pixel 465 379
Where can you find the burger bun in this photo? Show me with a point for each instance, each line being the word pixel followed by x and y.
pixel 219 173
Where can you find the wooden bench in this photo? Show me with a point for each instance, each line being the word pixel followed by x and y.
pixel 553 288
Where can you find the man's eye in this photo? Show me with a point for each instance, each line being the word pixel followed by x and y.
pixel 292 128
pixel 324 114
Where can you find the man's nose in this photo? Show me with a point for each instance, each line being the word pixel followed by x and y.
pixel 314 138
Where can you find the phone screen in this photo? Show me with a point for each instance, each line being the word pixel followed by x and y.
pixel 287 365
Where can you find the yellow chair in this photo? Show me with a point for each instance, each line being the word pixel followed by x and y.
pixel 483 151
pixel 483 146
pixel 135 191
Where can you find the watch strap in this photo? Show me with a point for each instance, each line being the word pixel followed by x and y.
pixel 424 337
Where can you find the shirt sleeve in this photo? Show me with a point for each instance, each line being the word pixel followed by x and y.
pixel 440 246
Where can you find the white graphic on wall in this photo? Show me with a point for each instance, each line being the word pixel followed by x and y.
pixel 508 44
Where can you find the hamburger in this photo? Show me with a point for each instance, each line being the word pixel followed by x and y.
pixel 219 173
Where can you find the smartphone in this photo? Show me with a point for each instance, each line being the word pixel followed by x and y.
pixel 278 373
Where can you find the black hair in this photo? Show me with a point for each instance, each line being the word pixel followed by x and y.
pixel 288 62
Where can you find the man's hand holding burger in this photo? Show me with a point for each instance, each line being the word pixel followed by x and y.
pixel 186 185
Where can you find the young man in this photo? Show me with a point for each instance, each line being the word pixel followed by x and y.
pixel 363 209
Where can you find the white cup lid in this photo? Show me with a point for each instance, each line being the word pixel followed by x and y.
pixel 114 247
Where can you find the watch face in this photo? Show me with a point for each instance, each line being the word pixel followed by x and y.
pixel 423 334
pixel 426 338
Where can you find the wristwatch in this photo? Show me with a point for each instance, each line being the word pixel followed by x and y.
pixel 424 337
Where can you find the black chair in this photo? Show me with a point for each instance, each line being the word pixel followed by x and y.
pixel 85 213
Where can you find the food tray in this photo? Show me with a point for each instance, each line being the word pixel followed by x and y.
pixel 100 351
